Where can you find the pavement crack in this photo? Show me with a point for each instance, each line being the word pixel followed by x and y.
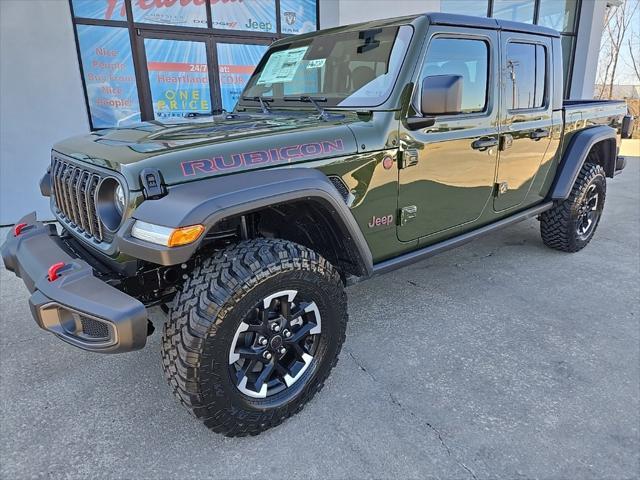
pixel 411 413
pixel 362 367
pixel 444 444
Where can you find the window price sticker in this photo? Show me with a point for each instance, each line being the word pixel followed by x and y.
pixel 282 66
pixel 316 63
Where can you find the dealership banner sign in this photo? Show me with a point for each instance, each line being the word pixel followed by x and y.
pixel 178 76
pixel 236 63
pixel 109 75
pixel 297 16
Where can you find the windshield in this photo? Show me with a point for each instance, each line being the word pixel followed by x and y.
pixel 351 69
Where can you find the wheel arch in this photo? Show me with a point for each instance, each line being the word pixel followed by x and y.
pixel 301 192
pixel 600 143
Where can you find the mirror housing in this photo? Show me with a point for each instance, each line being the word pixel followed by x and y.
pixel 441 95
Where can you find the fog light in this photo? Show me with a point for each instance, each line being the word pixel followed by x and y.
pixel 169 237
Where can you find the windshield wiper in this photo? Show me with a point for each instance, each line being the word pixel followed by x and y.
pixel 197 114
pixel 312 100
pixel 264 102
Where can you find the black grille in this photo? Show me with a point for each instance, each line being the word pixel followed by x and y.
pixel 74 189
pixel 342 188
pixel 94 328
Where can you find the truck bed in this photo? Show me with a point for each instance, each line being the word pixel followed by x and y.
pixel 580 114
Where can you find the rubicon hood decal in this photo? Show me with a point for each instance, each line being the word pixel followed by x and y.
pixel 284 154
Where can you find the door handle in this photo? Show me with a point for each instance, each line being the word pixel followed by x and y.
pixel 484 143
pixel 539 133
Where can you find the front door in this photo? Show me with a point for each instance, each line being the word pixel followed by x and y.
pixel 526 116
pixel 449 169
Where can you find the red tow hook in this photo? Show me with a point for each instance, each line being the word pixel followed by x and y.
pixel 17 230
pixel 54 271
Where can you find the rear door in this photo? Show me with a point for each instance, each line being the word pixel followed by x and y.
pixel 526 115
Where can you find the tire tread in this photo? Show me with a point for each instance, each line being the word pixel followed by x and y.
pixel 208 295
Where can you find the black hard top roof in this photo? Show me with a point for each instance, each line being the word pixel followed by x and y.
pixel 489 23
pixel 433 18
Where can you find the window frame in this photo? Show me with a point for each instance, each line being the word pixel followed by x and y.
pixel 211 36
pixel 573 32
pixel 453 35
pixel 547 96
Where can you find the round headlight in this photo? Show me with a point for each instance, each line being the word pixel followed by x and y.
pixel 119 200
pixel 110 203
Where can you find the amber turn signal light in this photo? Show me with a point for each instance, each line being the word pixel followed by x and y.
pixel 185 235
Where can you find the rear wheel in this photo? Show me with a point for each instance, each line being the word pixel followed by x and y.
pixel 254 334
pixel 570 225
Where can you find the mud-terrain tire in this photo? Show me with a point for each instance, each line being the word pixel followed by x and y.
pixel 570 225
pixel 222 309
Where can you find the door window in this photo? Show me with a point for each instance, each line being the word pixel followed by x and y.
pixel 526 70
pixel 467 58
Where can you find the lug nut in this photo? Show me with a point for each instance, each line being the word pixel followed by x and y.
pixel 282 351
pixel 287 333
pixel 262 341
pixel 267 355
pixel 275 327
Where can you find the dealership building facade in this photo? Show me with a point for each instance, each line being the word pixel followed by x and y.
pixel 69 67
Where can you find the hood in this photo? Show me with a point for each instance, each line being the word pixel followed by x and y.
pixel 213 146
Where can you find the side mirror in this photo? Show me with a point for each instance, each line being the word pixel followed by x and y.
pixel 440 95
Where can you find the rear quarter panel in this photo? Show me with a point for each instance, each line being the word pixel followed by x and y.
pixel 578 115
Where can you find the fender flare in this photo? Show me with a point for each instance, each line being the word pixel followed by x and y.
pixel 211 200
pixel 576 154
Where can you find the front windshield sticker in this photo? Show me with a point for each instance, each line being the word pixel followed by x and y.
pixel 316 63
pixel 282 66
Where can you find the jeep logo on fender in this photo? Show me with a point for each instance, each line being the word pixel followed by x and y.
pixel 249 159
pixel 385 221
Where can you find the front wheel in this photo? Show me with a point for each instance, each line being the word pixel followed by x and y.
pixel 570 225
pixel 254 334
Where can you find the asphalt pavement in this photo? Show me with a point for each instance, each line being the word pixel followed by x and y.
pixel 501 359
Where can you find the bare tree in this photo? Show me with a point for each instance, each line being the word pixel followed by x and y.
pixel 617 22
pixel 634 46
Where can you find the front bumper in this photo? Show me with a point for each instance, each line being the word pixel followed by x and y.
pixel 77 307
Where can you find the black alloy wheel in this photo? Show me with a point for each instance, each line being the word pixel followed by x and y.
pixel 275 344
pixel 589 212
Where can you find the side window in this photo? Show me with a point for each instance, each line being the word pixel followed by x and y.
pixel 527 73
pixel 467 58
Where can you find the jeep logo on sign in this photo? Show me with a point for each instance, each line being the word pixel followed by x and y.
pixel 290 17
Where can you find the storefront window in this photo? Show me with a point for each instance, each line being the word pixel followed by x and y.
pixel 298 16
pixel 180 44
pixel 567 54
pixel 476 8
pixel 248 15
pixel 178 77
pixel 236 63
pixel 184 13
pixel 108 75
pixel 514 10
pixel 100 9
pixel 558 14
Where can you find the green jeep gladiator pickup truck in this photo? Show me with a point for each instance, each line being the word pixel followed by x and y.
pixel 351 152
